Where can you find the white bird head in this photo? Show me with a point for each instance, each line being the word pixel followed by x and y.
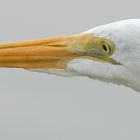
pixel 125 36
pixel 110 53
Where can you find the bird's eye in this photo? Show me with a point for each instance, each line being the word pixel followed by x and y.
pixel 107 48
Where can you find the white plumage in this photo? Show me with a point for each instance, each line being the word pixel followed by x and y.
pixel 110 53
pixel 126 37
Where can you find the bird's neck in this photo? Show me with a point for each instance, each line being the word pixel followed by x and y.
pixel 128 78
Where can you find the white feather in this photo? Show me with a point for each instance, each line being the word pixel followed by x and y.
pixel 126 37
pixel 106 72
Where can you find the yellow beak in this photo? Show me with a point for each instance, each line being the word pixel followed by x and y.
pixel 47 53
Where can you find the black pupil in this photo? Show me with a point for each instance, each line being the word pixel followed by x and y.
pixel 104 47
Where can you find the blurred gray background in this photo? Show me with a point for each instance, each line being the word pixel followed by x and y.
pixel 36 106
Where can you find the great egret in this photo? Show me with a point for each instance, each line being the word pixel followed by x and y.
pixel 109 53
